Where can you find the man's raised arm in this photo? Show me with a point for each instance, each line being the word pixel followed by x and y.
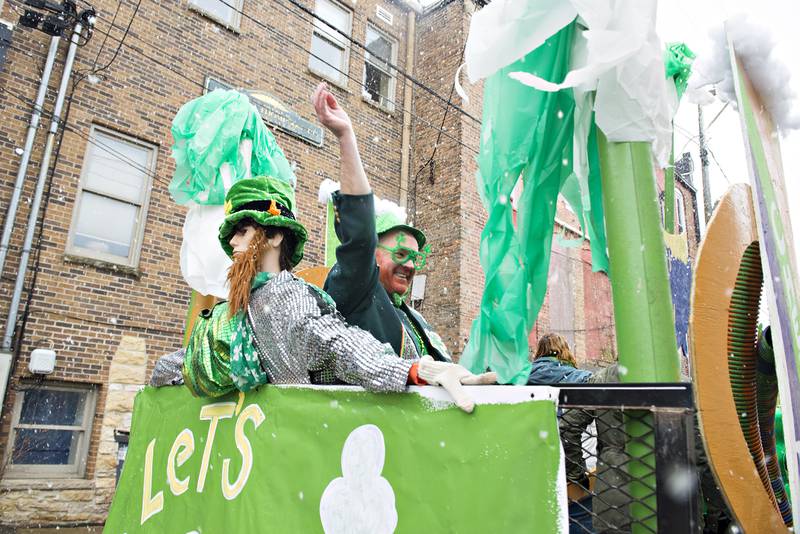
pixel 334 118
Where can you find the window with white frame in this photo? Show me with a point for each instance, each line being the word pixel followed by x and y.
pixel 680 212
pixel 227 13
pixel 50 431
pixel 111 203
pixel 329 48
pixel 379 79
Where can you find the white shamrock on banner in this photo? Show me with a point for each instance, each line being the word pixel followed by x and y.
pixel 361 500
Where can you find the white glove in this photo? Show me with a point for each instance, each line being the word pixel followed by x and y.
pixel 452 377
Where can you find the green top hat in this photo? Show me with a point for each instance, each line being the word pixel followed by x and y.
pixel 386 222
pixel 269 202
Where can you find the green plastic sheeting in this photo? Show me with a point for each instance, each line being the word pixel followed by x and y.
pixel 288 460
pixel 588 205
pixel 207 132
pixel 525 133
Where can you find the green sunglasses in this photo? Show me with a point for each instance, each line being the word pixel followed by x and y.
pixel 401 254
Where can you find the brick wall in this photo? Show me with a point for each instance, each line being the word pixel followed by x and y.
pixel 83 309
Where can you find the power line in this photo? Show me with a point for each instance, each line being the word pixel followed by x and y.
pixel 713 156
pixel 448 102
pixel 399 108
pixel 99 144
pixel 96 70
pixel 706 128
pixel 441 129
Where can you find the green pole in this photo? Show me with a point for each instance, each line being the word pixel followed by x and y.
pixel 669 193
pixel 640 289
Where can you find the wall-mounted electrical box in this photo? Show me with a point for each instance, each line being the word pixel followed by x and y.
pixel 43 361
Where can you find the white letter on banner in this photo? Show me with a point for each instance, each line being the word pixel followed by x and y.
pixel 150 505
pixel 213 412
pixel 231 491
pixel 181 450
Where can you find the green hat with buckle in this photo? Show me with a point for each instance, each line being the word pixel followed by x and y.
pixel 269 202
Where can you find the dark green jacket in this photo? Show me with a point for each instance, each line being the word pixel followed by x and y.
pixel 354 282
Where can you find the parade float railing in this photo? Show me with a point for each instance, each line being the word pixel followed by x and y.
pixel 667 473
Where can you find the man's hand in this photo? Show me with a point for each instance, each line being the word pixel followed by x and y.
pixel 330 115
pixel 452 377
pixel 352 176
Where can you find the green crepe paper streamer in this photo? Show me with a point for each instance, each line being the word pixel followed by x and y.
pixel 522 133
pixel 207 132
pixel 678 60
pixel 591 220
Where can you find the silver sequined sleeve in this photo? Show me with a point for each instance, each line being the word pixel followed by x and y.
pixel 304 334
pixel 168 370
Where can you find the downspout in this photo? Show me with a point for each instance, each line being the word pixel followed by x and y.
pixel 40 183
pixel 8 224
pixel 405 161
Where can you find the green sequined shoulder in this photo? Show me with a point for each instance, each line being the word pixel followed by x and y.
pixel 206 367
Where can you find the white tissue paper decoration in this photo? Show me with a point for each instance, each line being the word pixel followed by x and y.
pixel 635 101
pixel 506 30
pixel 326 189
pixel 361 501
pixel 204 265
pixel 383 206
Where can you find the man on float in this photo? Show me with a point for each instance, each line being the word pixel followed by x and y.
pixel 378 255
pixel 276 328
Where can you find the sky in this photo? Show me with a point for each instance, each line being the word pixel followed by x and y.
pixel 689 21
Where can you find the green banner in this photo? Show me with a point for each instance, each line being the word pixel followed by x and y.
pixel 285 459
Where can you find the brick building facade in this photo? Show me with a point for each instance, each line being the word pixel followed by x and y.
pixel 109 307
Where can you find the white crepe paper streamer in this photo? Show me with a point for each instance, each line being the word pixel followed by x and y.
pixel 506 30
pixel 634 100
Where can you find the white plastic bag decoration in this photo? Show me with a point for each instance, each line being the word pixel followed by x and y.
pixel 506 30
pixel 361 501
pixel 634 100
pixel 204 265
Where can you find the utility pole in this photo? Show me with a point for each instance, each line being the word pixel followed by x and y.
pixel 704 163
